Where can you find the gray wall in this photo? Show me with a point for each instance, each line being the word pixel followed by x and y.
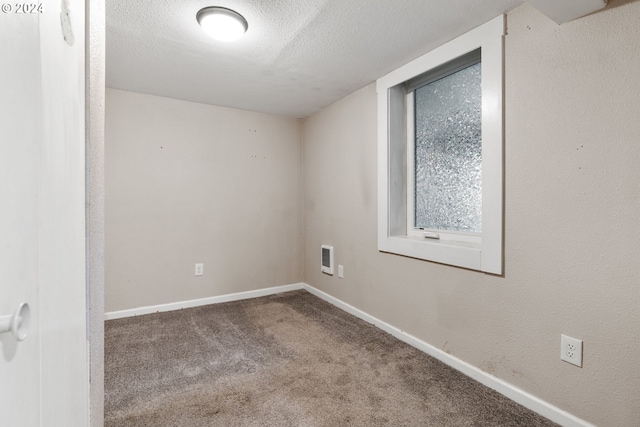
pixel 189 183
pixel 572 207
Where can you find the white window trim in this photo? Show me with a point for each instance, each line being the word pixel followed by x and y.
pixel 393 236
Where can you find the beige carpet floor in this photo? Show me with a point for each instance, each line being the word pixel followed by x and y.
pixel 284 360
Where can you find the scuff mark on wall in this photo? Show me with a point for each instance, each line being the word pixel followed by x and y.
pixel 65 23
pixel 445 349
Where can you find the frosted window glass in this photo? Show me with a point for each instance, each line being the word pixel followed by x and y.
pixel 448 153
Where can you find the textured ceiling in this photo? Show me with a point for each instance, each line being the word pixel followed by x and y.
pixel 297 56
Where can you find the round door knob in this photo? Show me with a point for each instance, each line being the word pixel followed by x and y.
pixel 18 322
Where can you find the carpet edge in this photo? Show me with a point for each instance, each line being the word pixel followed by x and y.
pixel 238 296
pixel 508 390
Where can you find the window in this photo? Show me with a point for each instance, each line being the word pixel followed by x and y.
pixel 440 152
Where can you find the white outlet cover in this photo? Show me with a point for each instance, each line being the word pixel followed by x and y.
pixel 571 350
pixel 199 269
pixel 340 271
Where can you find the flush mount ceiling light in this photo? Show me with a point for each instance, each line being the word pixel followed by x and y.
pixel 221 23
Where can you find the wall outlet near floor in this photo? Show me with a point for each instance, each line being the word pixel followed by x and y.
pixel 571 350
pixel 340 271
pixel 199 269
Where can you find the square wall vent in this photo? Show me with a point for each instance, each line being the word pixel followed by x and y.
pixel 326 260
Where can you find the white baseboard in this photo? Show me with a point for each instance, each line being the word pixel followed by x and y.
pixel 202 301
pixel 525 399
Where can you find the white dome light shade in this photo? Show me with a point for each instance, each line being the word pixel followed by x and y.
pixel 221 23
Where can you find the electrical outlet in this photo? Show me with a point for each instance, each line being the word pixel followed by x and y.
pixel 571 350
pixel 199 269
pixel 341 271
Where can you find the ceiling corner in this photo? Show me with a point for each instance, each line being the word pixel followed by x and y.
pixel 567 10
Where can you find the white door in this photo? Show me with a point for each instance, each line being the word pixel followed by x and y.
pixel 43 379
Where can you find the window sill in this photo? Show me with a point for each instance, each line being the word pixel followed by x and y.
pixel 461 254
pixel 442 242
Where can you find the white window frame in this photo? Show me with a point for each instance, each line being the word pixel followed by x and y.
pixel 395 139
